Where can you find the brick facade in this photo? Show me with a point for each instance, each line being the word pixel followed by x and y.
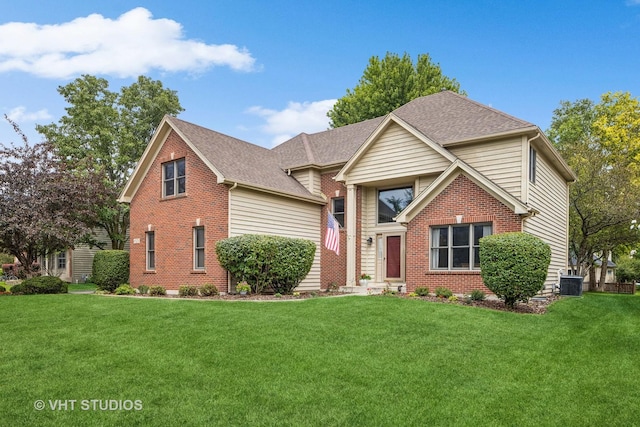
pixel 205 203
pixel 461 197
pixel 333 268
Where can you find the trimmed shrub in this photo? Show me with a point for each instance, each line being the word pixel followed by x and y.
pixel 157 290
pixel 17 289
pixel 442 292
pixel 188 291
pixel 422 291
pixel 41 285
pixel 477 295
pixel 2 287
pixel 267 262
pixel 514 265
pixel 125 289
pixel 208 290
pixel 143 289
pixel 110 269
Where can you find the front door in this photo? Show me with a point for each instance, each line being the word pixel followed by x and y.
pixel 392 251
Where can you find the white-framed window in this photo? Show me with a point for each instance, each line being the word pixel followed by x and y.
pixel 198 248
pixel 337 209
pixel 151 250
pixel 62 260
pixel 174 178
pixel 392 201
pixel 532 164
pixel 457 247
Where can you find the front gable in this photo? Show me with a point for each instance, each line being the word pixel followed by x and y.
pixel 394 150
pixel 456 169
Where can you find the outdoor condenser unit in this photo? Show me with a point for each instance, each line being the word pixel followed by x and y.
pixel 571 286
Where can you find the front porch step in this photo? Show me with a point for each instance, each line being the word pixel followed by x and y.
pixel 374 288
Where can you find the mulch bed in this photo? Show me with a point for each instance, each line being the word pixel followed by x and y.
pixel 533 306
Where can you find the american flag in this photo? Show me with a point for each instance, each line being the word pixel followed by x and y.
pixel 332 239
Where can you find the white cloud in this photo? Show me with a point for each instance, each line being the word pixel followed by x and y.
pixel 128 46
pixel 298 117
pixel 20 115
pixel 633 2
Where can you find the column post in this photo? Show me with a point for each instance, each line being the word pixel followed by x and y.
pixel 351 235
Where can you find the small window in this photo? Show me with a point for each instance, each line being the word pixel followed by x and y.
pixel 198 248
pixel 393 201
pixel 457 247
pixel 62 260
pixel 173 178
pixel 151 250
pixel 338 210
pixel 532 165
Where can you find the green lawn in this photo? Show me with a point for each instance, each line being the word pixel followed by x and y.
pixel 328 361
pixel 76 287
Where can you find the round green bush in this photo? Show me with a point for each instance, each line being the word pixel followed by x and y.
pixel 514 265
pixel 110 269
pixel 208 290
pixel 267 262
pixel 41 285
pixel 125 289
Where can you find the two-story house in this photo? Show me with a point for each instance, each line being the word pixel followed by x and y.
pixel 413 191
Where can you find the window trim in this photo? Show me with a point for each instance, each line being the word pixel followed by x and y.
pixel 197 249
pixel 450 247
pixel 339 216
pixel 150 262
pixel 175 179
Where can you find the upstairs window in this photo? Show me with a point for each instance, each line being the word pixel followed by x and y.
pixel 393 201
pixel 173 178
pixel 337 209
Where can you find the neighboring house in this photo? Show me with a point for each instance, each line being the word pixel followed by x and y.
pixel 75 265
pixel 597 261
pixel 414 191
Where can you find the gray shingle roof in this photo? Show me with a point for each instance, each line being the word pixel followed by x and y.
pixel 241 161
pixel 445 117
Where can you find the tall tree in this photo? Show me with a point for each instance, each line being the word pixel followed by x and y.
pixel 601 142
pixel 387 84
pixel 109 131
pixel 44 206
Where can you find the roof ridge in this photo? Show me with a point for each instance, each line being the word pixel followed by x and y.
pixel 307 148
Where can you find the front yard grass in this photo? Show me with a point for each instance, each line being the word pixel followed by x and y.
pixel 327 361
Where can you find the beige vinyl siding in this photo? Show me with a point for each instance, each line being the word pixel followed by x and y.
pixel 500 161
pixel 82 255
pixel 424 182
pixel 252 212
pixel 395 154
pixel 549 195
pixel 309 178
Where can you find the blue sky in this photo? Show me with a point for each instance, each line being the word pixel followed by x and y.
pixel 264 71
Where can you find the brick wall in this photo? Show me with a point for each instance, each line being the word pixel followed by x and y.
pixel 461 197
pixel 172 220
pixel 333 268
